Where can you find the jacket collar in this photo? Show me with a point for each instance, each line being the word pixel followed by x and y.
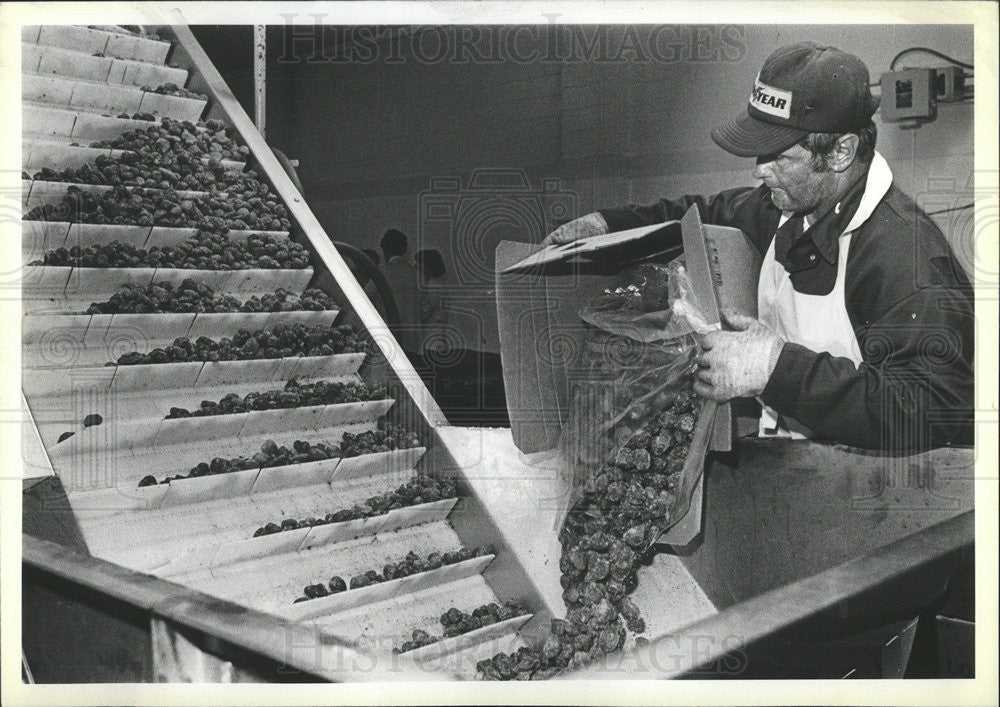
pixel 876 185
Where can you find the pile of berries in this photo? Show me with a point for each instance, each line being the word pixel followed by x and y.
pixel 131 30
pixel 419 489
pixel 246 204
pixel 272 454
pixel 283 341
pixel 172 155
pixel 635 488
pixel 379 440
pixel 135 116
pixel 150 170
pixel 583 636
pixel 172 89
pixel 414 564
pixel 456 622
pixel 182 136
pixel 624 509
pixel 411 564
pixel 524 664
pixel 202 251
pixel 192 296
pixel 293 395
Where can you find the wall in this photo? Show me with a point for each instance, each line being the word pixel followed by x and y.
pixel 395 131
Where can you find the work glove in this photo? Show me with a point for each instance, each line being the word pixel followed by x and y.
pixel 593 224
pixel 737 363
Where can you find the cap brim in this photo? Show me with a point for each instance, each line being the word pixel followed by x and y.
pixel 749 137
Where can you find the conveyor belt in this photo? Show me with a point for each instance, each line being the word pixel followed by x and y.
pixel 200 531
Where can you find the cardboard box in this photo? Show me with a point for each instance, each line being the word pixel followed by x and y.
pixel 542 335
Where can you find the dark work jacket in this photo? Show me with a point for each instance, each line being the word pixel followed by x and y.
pixel 911 307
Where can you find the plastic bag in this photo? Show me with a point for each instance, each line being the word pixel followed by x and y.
pixel 638 369
pixel 683 302
pixel 641 305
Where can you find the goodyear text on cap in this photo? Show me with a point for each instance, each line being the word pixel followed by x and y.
pixel 770 100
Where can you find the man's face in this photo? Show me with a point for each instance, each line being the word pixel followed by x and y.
pixel 795 184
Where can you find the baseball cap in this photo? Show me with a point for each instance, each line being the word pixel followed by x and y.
pixel 802 88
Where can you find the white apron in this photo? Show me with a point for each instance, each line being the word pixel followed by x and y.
pixel 818 322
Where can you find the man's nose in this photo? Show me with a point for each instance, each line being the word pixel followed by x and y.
pixel 761 170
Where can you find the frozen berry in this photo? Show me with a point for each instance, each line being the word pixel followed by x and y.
pixel 637 625
pixel 635 536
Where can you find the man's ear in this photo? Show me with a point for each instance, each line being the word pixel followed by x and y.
pixel 844 152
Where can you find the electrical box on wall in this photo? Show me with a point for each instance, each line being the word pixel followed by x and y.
pixel 909 95
pixel 949 84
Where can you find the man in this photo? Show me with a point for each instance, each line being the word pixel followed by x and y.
pixel 865 330
pixel 394 244
pixel 401 274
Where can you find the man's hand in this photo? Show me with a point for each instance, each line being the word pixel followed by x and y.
pixel 593 224
pixel 738 363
